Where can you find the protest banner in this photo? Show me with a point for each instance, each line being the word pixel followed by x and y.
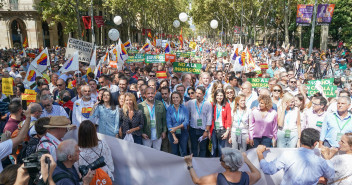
pixel 29 91
pixel 180 67
pixel 328 81
pixel 131 170
pixel 31 97
pixel 259 82
pixel 84 49
pixel 221 54
pixel 132 52
pixel 154 58
pixel 264 66
pixel 324 14
pixel 135 59
pixel 7 86
pixel 113 64
pixel 170 57
pixel 304 14
pixel 183 54
pixel 329 90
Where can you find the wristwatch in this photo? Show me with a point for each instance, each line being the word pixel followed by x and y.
pixel 189 167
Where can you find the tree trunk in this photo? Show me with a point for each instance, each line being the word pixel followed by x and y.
pixel 287 39
pixel 265 32
pixel 324 37
pixel 78 21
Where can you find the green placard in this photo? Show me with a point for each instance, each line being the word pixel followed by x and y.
pixel 154 58
pixel 184 54
pixel 329 90
pixel 136 58
pixel 329 81
pixel 180 67
pixel 258 82
pixel 219 54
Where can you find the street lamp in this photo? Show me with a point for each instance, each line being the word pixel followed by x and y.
pixel 19 33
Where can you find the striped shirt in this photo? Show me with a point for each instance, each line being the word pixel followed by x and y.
pixel 50 146
pixel 56 111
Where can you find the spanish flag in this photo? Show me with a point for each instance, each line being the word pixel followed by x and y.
pixel 243 58
pixel 150 34
pixel 25 43
pixel 161 74
pixel 154 42
pixel 181 39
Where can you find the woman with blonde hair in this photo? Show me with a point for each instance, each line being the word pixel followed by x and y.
pixel 289 123
pixel 239 128
pixel 276 94
pixel 263 123
pixel 131 119
pixel 230 96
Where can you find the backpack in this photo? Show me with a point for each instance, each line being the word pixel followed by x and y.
pixel 100 177
pixel 30 147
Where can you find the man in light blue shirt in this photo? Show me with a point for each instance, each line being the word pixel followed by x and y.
pixel 336 124
pixel 301 166
pixel 200 122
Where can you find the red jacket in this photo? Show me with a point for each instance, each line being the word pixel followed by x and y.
pixel 226 117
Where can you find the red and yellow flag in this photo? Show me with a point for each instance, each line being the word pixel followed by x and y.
pixel 161 74
pixel 25 43
pixel 154 42
pixel 150 34
pixel 181 39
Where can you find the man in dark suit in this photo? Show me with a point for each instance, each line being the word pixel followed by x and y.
pixel 61 85
pixel 123 83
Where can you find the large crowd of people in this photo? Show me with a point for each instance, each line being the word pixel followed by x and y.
pixel 217 113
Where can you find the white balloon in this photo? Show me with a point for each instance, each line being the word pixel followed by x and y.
pixel 183 17
pixel 117 20
pixel 176 23
pixel 114 34
pixel 214 24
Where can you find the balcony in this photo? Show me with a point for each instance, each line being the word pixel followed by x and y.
pixel 14 5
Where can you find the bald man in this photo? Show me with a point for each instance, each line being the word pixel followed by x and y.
pixel 251 96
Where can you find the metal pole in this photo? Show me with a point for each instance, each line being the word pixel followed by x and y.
pixel 241 22
pixel 313 28
pixel 92 16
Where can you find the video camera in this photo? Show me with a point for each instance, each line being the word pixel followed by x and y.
pixel 32 163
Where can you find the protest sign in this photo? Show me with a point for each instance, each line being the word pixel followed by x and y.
pixel 136 58
pixel 221 54
pixel 154 58
pixel 264 66
pixel 29 91
pixel 259 82
pixel 328 81
pixel 180 67
pixel 329 90
pixel 158 42
pixel 113 64
pixel 31 97
pixel 7 86
pixel 163 43
pixel 132 52
pixel 170 57
pixel 84 49
pixel 183 54
pixel 304 14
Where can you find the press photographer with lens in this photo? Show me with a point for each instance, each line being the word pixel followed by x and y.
pixel 65 173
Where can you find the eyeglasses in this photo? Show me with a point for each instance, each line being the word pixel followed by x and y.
pixel 293 82
pixel 60 85
pixel 152 75
pixel 229 92
pixel 192 92
pixel 276 90
pixel 315 103
pixel 46 105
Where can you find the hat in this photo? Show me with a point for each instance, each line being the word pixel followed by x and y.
pixel 59 122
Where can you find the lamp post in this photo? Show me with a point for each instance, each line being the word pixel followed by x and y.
pixel 19 33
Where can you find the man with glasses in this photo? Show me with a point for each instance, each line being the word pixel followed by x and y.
pixel 314 117
pixel 290 73
pixel 283 80
pixel 123 88
pixel 61 85
pixel 50 109
pixel 83 106
pixel 292 87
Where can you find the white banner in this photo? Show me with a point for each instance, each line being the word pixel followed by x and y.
pixel 138 165
pixel 84 49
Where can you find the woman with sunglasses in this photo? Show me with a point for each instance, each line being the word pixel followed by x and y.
pixel 276 94
pixel 108 114
pixel 289 122
pixel 343 173
pixel 240 124
pixel 191 92
pixel 221 123
pixel 230 96
pixel 231 160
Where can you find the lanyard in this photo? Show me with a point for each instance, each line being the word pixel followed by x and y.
pixel 164 103
pixel 178 114
pixel 218 112
pixel 338 124
pixel 151 112
pixel 287 117
pixel 239 121
pixel 250 97
pixel 142 98
pixel 206 91
pixel 199 111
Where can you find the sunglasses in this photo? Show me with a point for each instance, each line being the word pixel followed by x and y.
pixel 46 105
pixel 191 92
pixel 60 84
pixel 277 90
pixel 293 82
pixel 152 75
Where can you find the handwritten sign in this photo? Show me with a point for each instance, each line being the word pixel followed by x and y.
pixel 7 86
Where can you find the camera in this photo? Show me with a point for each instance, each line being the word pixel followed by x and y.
pixel 83 169
pixel 32 162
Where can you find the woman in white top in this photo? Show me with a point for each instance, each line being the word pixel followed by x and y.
pixel 91 148
pixel 343 171
pixel 239 128
pixel 230 96
pixel 300 104
pixel 276 94
pixel 289 123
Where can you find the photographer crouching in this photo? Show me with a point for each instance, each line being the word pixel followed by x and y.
pixel 65 173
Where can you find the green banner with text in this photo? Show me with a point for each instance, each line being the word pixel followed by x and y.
pixel 329 90
pixel 180 67
pixel 136 58
pixel 259 82
pixel 154 58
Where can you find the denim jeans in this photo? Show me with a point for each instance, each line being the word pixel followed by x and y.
pixel 262 141
pixel 217 144
pixel 286 142
pixel 198 151
pixel 137 139
pixel 182 143
pixel 239 142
